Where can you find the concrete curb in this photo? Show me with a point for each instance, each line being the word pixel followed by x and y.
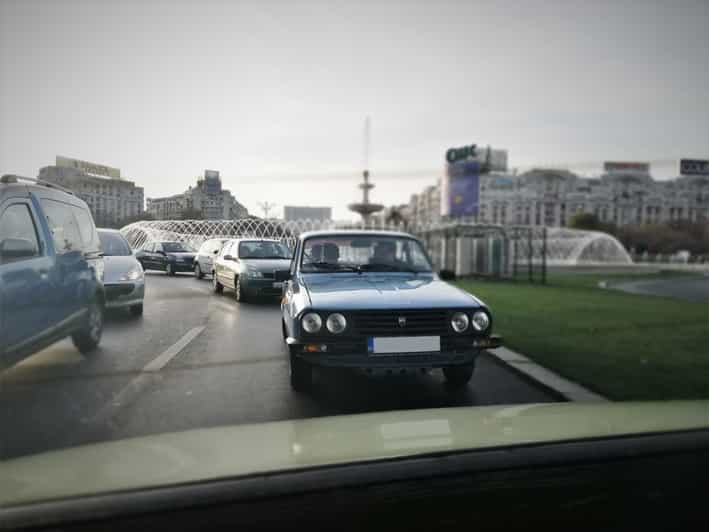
pixel 547 378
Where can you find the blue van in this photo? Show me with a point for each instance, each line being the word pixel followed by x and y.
pixel 51 270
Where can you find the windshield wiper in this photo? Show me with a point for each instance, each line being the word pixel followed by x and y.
pixel 333 267
pixel 386 267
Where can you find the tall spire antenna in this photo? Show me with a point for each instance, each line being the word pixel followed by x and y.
pixel 365 209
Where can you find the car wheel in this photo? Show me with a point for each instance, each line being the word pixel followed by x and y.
pixel 238 293
pixel 458 376
pixel 136 310
pixel 301 373
pixel 88 337
pixel 218 287
pixel 198 272
pixel 169 270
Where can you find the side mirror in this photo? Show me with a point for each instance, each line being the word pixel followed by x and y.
pixel 161 253
pixel 17 248
pixel 283 275
pixel 228 257
pixel 447 275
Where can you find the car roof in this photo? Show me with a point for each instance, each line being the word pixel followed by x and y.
pixel 107 230
pixel 355 232
pixel 255 239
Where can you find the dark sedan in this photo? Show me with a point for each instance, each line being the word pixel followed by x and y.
pixel 170 257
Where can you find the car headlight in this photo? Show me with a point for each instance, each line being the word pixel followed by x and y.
pixel 311 322
pixel 481 321
pixel 460 322
pixel 133 275
pixel 336 323
pixel 254 274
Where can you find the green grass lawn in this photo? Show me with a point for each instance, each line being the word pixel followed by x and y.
pixel 623 346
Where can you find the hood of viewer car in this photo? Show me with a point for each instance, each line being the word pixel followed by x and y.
pixel 347 291
pixel 116 267
pixel 233 451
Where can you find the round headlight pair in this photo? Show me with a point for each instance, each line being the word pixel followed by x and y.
pixel 460 322
pixel 312 323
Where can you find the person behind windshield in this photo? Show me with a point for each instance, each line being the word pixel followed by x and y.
pixel 385 254
pixel 331 253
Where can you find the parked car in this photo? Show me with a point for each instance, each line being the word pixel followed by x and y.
pixel 170 257
pixel 370 300
pixel 123 279
pixel 251 267
pixel 51 270
pixel 208 251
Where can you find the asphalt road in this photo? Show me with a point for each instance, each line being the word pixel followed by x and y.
pixel 691 289
pixel 196 359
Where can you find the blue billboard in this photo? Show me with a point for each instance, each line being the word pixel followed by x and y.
pixel 463 188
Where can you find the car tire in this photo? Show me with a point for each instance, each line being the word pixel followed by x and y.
pixel 458 376
pixel 136 310
pixel 218 287
pixel 87 338
pixel 198 273
pixel 238 292
pixel 301 373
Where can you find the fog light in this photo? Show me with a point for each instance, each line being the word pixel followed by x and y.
pixel 315 348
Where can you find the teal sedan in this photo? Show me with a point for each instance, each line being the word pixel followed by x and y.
pixel 371 300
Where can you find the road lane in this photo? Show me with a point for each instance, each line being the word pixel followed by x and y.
pixel 234 370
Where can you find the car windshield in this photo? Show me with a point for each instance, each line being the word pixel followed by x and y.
pixel 113 244
pixel 352 224
pixel 263 250
pixel 363 253
pixel 174 247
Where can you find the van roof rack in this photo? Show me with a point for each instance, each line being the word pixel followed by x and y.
pixel 12 178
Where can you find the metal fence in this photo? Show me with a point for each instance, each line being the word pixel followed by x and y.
pixel 468 249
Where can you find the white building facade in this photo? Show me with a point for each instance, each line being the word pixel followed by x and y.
pixel 111 198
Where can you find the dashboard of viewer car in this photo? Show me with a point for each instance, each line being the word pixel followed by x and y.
pixel 642 482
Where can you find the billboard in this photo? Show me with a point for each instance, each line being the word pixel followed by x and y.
pixel 212 183
pixel 612 167
pixel 490 160
pixel 463 188
pixel 89 168
pixel 693 167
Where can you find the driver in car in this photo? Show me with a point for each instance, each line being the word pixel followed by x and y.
pixel 385 254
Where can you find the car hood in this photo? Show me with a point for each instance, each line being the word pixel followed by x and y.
pixel 233 451
pixel 266 265
pixel 117 266
pixel 383 291
pixel 181 254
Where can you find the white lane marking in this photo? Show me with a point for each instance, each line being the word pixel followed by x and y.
pixel 159 361
pixel 141 381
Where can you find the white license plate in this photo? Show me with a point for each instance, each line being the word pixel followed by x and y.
pixel 278 285
pixel 403 344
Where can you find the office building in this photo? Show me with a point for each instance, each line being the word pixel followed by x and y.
pixel 207 200
pixel 111 198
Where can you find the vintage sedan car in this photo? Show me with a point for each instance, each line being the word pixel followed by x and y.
pixel 123 278
pixel 370 300
pixel 251 267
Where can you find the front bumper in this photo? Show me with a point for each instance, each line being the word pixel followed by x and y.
pixel 351 354
pixel 261 287
pixel 124 294
pixel 182 266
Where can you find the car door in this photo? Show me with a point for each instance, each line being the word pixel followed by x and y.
pixel 143 256
pixel 25 264
pixel 223 267
pixel 159 258
pixel 71 267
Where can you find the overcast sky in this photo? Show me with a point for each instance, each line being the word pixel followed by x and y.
pixel 273 93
